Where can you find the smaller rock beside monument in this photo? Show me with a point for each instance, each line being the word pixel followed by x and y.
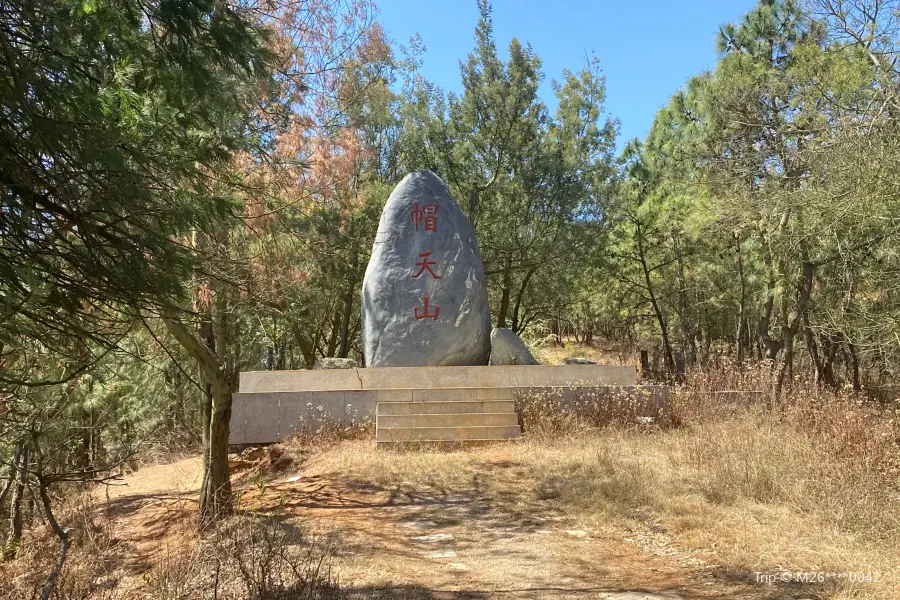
pixel 578 360
pixel 508 349
pixel 335 363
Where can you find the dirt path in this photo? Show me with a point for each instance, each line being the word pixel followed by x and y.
pixel 152 512
pixel 413 541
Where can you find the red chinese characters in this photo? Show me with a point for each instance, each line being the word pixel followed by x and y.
pixel 425 265
pixel 426 215
pixel 425 314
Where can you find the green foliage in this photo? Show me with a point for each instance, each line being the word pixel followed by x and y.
pixel 120 120
pixel 760 204
pixel 532 184
pixel 224 167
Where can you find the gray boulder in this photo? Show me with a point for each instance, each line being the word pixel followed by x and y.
pixel 577 360
pixel 335 363
pixel 508 349
pixel 424 301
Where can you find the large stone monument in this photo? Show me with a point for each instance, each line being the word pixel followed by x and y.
pixel 424 300
pixel 425 306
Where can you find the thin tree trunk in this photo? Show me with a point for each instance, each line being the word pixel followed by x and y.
pixel 660 318
pixel 14 540
pixel 473 208
pixel 331 349
pixel 792 324
pixel 742 303
pixel 215 492
pixel 215 489
pixel 516 320
pixel 831 348
pixel 344 348
pixel 813 349
pixel 504 298
pixel 687 330
pixel 306 346
pixel 10 479
pixel 854 364
pixel 62 534
pixel 786 372
pixel 772 346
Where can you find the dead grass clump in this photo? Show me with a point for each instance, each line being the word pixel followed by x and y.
pixel 247 557
pixel 544 415
pixel 596 477
pixel 808 485
pixel 326 434
pixel 263 558
pixel 548 352
pixel 91 560
pixel 552 412
pixel 863 436
pixel 709 394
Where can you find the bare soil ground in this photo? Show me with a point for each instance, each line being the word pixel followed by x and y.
pixel 480 533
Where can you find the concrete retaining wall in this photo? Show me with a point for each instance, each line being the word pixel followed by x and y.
pixel 267 417
pixel 272 405
pixel 436 377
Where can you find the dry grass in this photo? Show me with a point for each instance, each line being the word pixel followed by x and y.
pixel 810 486
pixel 247 557
pixel 86 567
pixel 554 354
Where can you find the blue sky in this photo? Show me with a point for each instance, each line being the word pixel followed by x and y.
pixel 647 48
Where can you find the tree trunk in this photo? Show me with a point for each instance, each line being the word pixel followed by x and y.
pixel 828 356
pixel 14 540
pixel 344 348
pixel 772 346
pixel 792 323
pixel 786 372
pixel 10 480
pixel 473 208
pixel 813 349
pixel 854 365
pixel 331 348
pixel 517 324
pixel 306 346
pixel 218 372
pixel 742 303
pixel 646 371
pixel 504 298
pixel 688 335
pixel 215 490
pixel 62 534
pixel 657 310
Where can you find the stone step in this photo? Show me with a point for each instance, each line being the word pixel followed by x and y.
pixel 481 419
pixel 454 394
pixel 444 408
pixel 446 434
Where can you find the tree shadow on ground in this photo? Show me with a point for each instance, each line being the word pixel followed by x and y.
pixel 418 592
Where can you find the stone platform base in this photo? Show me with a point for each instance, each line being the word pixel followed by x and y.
pixel 272 405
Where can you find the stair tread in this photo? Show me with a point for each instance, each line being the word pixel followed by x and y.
pixel 425 441
pixel 443 401
pixel 462 407
pixel 508 412
pixel 452 427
